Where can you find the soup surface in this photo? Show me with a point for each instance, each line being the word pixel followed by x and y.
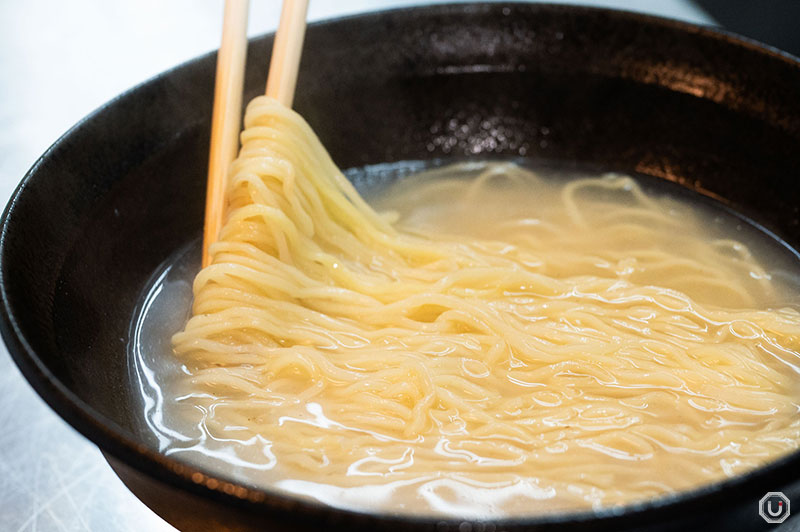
pixel 643 340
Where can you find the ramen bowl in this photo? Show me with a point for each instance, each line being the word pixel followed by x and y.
pixel 114 198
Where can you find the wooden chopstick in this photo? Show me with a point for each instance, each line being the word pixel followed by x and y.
pixel 226 118
pixel 285 62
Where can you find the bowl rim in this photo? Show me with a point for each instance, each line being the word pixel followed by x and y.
pixel 113 439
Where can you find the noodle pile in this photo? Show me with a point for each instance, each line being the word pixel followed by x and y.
pixel 559 363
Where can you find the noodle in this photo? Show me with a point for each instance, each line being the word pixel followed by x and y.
pixel 554 363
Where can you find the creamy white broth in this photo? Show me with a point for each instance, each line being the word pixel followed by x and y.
pixel 644 409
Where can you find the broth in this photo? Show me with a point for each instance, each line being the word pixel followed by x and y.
pixel 597 427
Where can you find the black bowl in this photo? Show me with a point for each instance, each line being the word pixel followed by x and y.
pixel 116 195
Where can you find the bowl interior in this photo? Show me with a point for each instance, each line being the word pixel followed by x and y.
pixel 115 197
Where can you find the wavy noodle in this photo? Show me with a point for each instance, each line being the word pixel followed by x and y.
pixel 557 363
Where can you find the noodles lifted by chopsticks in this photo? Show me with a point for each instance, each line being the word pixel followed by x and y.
pixel 541 361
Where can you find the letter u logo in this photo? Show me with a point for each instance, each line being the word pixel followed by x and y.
pixel 774 513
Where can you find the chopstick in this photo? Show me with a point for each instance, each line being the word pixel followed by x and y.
pixel 226 116
pixel 285 62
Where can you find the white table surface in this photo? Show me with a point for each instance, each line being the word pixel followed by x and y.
pixel 58 61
